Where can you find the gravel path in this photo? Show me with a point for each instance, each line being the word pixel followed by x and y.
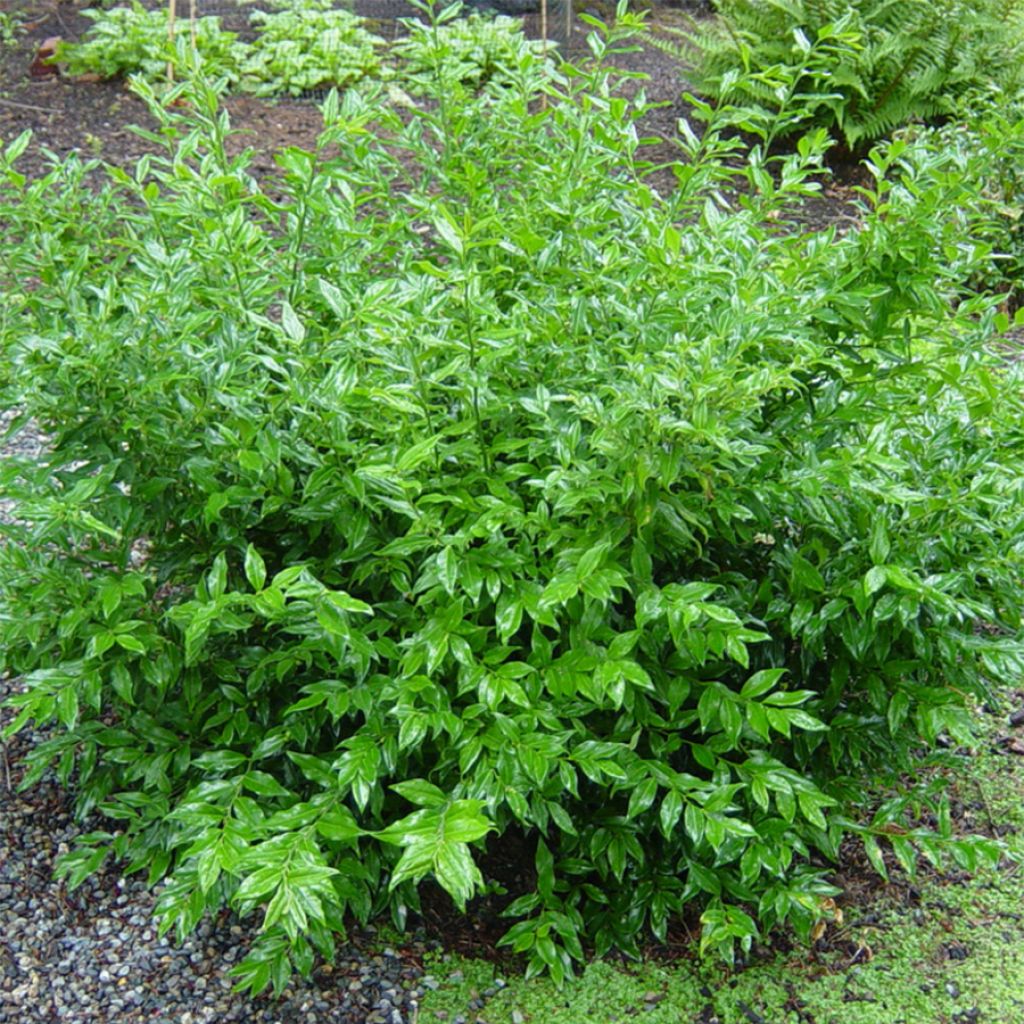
pixel 94 954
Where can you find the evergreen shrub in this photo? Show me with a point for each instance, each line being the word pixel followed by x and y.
pixel 454 486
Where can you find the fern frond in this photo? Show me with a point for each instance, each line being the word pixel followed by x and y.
pixel 914 59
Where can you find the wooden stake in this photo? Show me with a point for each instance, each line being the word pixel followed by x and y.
pixel 544 50
pixel 172 12
pixel 192 23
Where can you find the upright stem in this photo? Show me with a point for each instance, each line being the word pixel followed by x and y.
pixel 442 102
pixel 467 314
pixel 300 233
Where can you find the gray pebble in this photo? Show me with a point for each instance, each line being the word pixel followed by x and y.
pixel 93 955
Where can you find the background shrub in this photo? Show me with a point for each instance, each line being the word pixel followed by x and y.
pixel 456 486
pixel 471 50
pixel 875 65
pixel 132 40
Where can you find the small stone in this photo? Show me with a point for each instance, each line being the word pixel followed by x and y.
pixel 653 997
pixel 517 1017
pixel 441 1014
pixel 953 989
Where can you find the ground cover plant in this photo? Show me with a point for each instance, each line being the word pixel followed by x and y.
pixel 455 488
pixel 304 46
pixel 472 50
pixel 299 45
pixel 133 40
pixel 863 68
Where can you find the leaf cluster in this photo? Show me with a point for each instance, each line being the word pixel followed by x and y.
pixel 987 137
pixel 455 486
pixel 10 26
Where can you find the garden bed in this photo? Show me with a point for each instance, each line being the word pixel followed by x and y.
pixel 92 117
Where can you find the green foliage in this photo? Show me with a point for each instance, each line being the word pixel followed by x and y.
pixel 497 495
pixel 471 50
pixel 877 64
pixel 989 138
pixel 132 40
pixel 10 26
pixel 304 46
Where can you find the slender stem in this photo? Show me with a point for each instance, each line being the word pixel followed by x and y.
pixel 442 101
pixel 27 106
pixel 471 339
pixel 300 233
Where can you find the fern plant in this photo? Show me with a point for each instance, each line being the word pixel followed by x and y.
pixel 890 62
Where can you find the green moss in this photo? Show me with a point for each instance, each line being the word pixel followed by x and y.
pixel 910 978
pixel 958 949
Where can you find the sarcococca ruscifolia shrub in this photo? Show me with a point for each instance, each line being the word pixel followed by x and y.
pixel 455 484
